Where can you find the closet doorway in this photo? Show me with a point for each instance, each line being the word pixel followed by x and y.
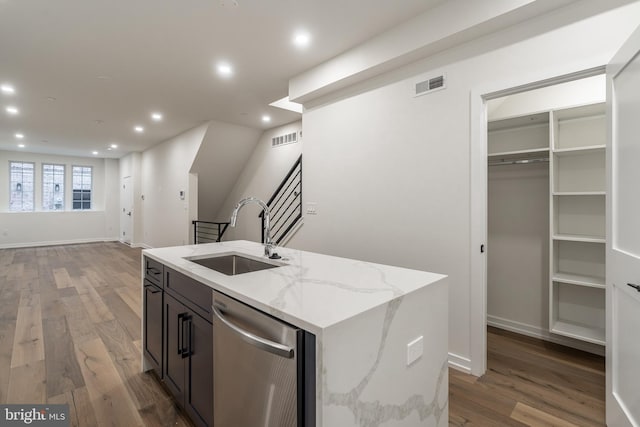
pixel 546 213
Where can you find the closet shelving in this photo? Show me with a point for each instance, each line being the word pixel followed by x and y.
pixel 574 142
pixel 577 218
pixel 519 137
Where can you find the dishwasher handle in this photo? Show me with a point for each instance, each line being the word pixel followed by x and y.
pixel 262 343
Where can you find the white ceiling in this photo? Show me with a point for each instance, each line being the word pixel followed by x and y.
pixel 86 72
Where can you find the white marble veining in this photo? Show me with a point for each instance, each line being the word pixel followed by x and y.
pixel 363 316
pixel 365 379
pixel 310 290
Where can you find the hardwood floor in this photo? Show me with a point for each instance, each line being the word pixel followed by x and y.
pixel 529 382
pixel 70 333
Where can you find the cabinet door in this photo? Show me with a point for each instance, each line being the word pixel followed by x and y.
pixel 153 326
pixel 199 392
pixel 175 317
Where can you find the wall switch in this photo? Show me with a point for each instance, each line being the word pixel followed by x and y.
pixel 312 208
pixel 414 350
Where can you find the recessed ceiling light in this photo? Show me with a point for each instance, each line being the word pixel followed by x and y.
pixel 7 89
pixel 95 153
pixel 113 146
pixel 12 110
pixel 266 119
pixel 139 129
pixel 301 39
pixel 225 69
pixel 50 98
pixel 21 145
pixel 19 135
pixel 156 117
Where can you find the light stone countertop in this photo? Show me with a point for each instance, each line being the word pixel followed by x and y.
pixel 310 290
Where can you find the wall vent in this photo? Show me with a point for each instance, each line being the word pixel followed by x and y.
pixel 429 85
pixel 289 138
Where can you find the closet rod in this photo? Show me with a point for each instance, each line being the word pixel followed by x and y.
pixel 519 161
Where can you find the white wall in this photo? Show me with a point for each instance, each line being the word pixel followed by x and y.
pixel 112 197
pixel 164 173
pixel 390 173
pixel 45 228
pixel 518 247
pixel 220 160
pixel 578 92
pixel 261 176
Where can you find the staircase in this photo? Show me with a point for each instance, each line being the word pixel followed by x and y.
pixel 208 232
pixel 285 205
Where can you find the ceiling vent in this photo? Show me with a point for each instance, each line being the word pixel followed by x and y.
pixel 289 138
pixel 429 85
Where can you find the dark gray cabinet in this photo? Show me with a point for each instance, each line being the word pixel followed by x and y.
pixel 179 344
pixel 188 356
pixel 153 313
pixel 153 336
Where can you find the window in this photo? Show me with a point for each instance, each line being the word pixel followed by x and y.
pixel 52 187
pixel 21 181
pixel 82 182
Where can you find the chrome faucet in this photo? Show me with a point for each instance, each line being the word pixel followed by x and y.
pixel 269 246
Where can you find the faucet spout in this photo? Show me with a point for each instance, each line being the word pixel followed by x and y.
pixel 269 246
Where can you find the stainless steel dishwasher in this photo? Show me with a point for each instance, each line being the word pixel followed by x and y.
pixel 261 377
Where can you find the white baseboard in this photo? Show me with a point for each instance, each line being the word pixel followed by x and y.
pixel 543 334
pixel 460 363
pixel 57 243
pixel 141 245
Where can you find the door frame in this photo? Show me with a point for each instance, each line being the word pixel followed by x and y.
pixel 478 220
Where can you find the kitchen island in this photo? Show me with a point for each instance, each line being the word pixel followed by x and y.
pixel 380 332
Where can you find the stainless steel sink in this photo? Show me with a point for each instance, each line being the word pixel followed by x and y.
pixel 232 264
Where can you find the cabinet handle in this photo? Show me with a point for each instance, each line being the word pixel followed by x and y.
pixel 180 339
pixel 152 289
pixel 190 340
pixel 634 286
pixel 186 351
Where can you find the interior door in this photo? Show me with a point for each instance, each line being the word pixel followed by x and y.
pixel 623 236
pixel 126 215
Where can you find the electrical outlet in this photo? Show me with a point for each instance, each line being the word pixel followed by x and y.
pixel 312 208
pixel 414 350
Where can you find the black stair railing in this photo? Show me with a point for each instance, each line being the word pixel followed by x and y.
pixel 208 232
pixel 285 205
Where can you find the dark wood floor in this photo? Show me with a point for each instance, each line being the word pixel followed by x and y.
pixel 70 333
pixel 529 382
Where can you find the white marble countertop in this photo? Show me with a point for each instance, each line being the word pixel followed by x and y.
pixel 310 290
